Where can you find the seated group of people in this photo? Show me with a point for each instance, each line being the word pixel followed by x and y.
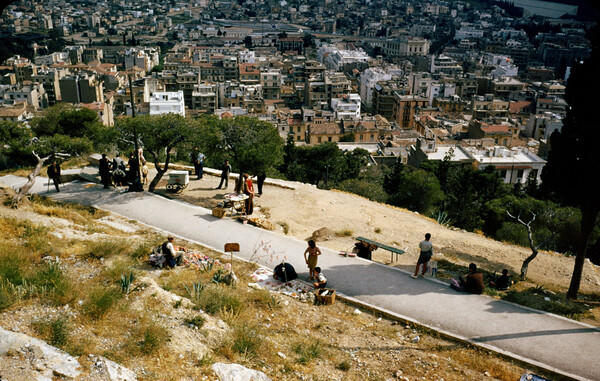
pixel 473 283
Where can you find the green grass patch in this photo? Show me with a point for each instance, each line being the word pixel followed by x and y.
pixel 216 298
pixel 307 351
pixel 106 248
pixel 196 321
pixel 344 233
pixel 99 301
pixel 54 330
pixel 540 299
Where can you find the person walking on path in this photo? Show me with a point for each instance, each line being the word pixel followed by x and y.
pixel 311 259
pixel 104 169
pixel 426 252
pixel 248 189
pixel 198 161
pixel 225 171
pixel 54 174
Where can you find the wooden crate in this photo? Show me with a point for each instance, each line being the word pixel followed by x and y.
pixel 218 212
pixel 325 299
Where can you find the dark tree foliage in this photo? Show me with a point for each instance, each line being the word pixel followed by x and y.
pixel 573 159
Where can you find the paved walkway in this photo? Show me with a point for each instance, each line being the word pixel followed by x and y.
pixel 560 345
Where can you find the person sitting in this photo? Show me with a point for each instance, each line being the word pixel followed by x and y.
pixel 503 282
pixel 321 281
pixel 172 257
pixel 473 284
pixel 284 272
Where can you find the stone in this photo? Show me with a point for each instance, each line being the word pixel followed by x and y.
pixel 322 234
pixel 47 359
pixel 237 372
pixel 112 370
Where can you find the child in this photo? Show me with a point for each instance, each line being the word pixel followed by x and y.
pixel 321 280
pixel 313 252
pixel 503 282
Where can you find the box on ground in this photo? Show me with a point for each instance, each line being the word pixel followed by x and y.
pixel 325 296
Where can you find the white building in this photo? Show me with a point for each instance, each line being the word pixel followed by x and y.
pixel 542 126
pixel 515 165
pixel 166 102
pixel 468 32
pixel 346 107
pixel 444 64
pixel 368 80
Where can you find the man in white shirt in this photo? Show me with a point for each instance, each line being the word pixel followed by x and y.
pixel 426 252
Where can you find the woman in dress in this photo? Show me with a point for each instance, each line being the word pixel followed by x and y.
pixel 248 189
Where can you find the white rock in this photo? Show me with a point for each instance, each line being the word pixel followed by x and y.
pixel 53 359
pixel 357 312
pixel 237 372
pixel 114 371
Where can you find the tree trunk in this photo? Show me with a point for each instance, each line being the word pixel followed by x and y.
pixel 588 220
pixel 18 198
pixel 239 183
pixel 525 264
pixel 159 171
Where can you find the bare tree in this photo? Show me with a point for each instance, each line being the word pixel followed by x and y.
pixel 532 245
pixel 18 198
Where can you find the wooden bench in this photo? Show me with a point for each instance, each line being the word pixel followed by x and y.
pixel 391 249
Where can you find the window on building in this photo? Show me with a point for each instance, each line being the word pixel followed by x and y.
pixel 329 139
pixel 519 174
pixel 319 139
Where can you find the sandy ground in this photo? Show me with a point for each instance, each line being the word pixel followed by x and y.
pixel 306 209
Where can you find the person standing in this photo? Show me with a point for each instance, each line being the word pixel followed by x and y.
pixel 134 168
pixel 426 253
pixel 260 180
pixel 311 259
pixel 248 189
pixel 104 169
pixel 54 174
pixel 198 161
pixel 225 171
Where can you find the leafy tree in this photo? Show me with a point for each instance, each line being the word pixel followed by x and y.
pixel 349 137
pixel 160 136
pixel 418 191
pixel 251 145
pixel 248 42
pixel 355 160
pixel 573 157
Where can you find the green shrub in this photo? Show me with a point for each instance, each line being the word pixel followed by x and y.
pixel 106 248
pixel 365 188
pixel 12 269
pixel 100 301
pixel 246 339
pixel 154 336
pixel 54 330
pixel 196 321
pixel 307 351
pixel 217 298
pixel 344 233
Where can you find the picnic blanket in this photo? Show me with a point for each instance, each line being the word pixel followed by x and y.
pixel 191 259
pixel 263 279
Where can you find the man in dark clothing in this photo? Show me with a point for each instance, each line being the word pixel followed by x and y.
pixel 473 284
pixel 260 180
pixel 225 171
pixel 54 174
pixel 503 282
pixel 104 169
pixel 134 169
